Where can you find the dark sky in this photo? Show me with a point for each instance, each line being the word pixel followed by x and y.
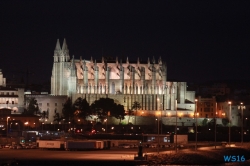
pixel 199 40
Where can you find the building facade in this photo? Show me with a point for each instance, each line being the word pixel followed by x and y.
pixel 206 107
pixel 123 81
pixel 48 106
pixel 11 98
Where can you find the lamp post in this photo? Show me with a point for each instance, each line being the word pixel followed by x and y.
pixel 18 126
pixel 215 123
pixel 176 126
pixel 229 127
pixel 159 109
pixel 7 127
pixel 42 126
pixel 10 125
pixel 241 107
pixel 158 119
pixel 195 124
pixel 106 121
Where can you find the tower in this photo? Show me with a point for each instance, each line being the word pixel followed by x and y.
pixel 60 70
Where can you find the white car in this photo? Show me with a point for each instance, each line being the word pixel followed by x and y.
pixel 7 146
pixel 126 146
pixel 153 146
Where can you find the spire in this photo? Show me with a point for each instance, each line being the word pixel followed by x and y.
pixel 84 63
pixel 153 60
pixel 73 70
pixel 127 61
pixel 138 61
pixel 58 47
pixel 91 59
pixel 120 67
pixel 116 59
pixel 159 61
pixel 102 59
pixel 81 62
pixel 64 46
pixel 148 62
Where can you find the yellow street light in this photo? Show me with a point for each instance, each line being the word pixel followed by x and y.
pixel 242 107
pixel 196 114
pixel 229 127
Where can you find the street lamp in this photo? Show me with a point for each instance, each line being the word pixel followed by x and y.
pixel 159 109
pixel 158 119
pixel 215 123
pixel 229 127
pixel 42 126
pixel 7 127
pixel 106 121
pixel 195 124
pixel 241 107
pixel 176 126
pixel 10 125
pixel 18 126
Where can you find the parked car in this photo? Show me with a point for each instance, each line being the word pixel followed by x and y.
pixel 7 146
pixel 126 146
pixel 27 147
pixel 135 146
pixel 19 147
pixel 153 146
pixel 13 147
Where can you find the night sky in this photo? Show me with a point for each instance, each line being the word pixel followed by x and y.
pixel 198 40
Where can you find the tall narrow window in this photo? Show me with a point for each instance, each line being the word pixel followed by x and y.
pixel 113 88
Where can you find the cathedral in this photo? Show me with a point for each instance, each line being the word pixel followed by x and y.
pixel 121 80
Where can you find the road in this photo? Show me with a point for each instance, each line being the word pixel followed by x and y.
pixel 54 157
pixel 101 157
pixel 112 154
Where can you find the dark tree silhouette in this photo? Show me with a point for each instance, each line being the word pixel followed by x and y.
pixel 103 106
pixel 81 108
pixel 57 117
pixel 136 105
pixel 67 110
pixel 32 107
pixel 118 112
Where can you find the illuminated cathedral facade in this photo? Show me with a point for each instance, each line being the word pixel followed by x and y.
pixel 121 80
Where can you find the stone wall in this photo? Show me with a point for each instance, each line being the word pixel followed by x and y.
pixel 150 120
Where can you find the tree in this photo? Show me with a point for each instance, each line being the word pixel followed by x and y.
pixel 225 121
pixel 57 117
pixel 130 113
pixel 204 122
pixel 136 105
pixel 32 107
pixel 68 111
pixel 118 112
pixel 81 108
pixel 102 106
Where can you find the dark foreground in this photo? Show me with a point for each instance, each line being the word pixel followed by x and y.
pixel 30 162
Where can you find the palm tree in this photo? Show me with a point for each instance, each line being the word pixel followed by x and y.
pixel 136 105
